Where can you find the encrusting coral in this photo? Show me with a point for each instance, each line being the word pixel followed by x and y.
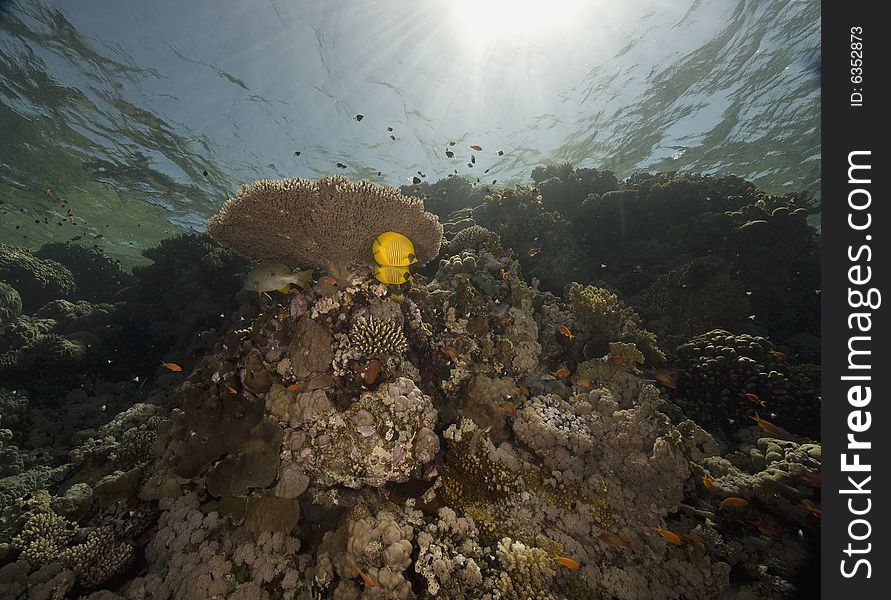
pixel 329 223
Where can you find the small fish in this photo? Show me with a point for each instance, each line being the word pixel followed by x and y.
pixel 602 265
pixel 778 354
pixel 296 152
pixel 523 389
pixel 70 216
pixel 329 280
pixel 751 317
pixel 472 159
pixel 584 382
pixel 450 352
pixel 369 371
pixel 567 562
pixel 566 331
pixel 269 276
pixel 294 387
pixel 359 117
pixel 812 479
pixel 509 408
pixel 766 425
pixel 767 529
pixel 451 143
pixel 341 166
pixel 534 249
pixel 389 129
pixel 450 154
pixel 502 272
pixel 393 137
pixel 365 578
pixel 561 372
pixel 415 180
pixel 695 536
pixel 77 237
pixel 748 292
pixel 707 481
pixel 231 390
pixel 666 379
pixel 470 165
pixel 205 173
pixel 501 153
pixel 476 147
pixel 47 190
pixel 755 399
pixel 611 538
pixel 670 536
pixel 97 236
pixel 732 501
pixel 171 366
pixel 808 506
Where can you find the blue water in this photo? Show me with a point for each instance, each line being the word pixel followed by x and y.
pixel 144 118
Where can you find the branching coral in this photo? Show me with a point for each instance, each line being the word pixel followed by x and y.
pixel 375 337
pixel 329 224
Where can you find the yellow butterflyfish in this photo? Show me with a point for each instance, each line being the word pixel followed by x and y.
pixel 393 249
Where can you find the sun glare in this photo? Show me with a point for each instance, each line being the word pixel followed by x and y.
pixel 496 18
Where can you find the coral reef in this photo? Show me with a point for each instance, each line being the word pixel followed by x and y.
pixel 36 280
pixel 96 276
pixel 608 319
pixel 466 435
pixel 718 368
pixel 10 303
pixel 191 282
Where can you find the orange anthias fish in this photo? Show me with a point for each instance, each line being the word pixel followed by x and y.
pixel 695 536
pixel 523 389
pixel 733 501
pixel 766 425
pixel 450 352
pixel 567 562
pixel 565 331
pixel 476 147
pixel 329 280
pixel 231 390
pixel 752 397
pixel 808 506
pixel 369 371
pixel 584 382
pixel 666 379
pixel 365 578
pixel 561 372
pixel 767 529
pixel 812 479
pixel 171 366
pixel 503 273
pixel 509 408
pixel 707 481
pixel 294 387
pixel 778 354
pixel 670 536
pixel 612 538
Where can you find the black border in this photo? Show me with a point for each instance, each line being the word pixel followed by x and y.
pixel 847 128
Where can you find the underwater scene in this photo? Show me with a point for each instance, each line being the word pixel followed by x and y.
pixel 389 300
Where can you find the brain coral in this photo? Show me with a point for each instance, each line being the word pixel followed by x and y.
pixel 329 224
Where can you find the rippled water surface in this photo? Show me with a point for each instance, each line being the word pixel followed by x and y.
pixel 142 118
